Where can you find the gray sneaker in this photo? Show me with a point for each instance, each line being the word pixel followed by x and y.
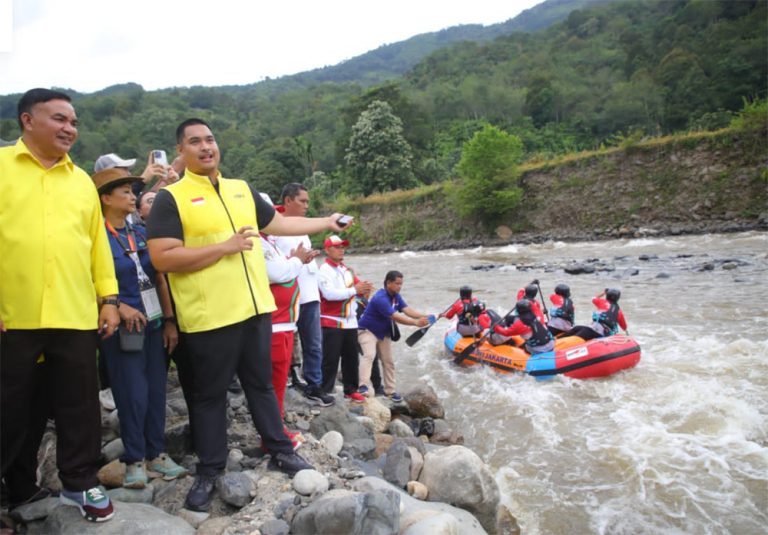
pixel 319 397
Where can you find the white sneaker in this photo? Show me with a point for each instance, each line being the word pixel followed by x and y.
pixel 106 399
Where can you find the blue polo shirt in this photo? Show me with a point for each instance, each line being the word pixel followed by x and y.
pixel 377 316
pixel 125 269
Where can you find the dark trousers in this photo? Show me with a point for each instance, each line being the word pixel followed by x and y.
pixel 340 344
pixel 215 356
pixel 70 376
pixel 186 380
pixel 138 380
pixel 21 476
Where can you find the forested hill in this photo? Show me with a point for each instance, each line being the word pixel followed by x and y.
pixel 604 74
pixel 393 60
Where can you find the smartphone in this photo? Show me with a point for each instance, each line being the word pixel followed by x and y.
pixel 344 220
pixel 158 156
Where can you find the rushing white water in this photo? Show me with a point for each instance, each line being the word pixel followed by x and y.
pixel 678 444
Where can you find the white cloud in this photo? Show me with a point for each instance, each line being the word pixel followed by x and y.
pixel 87 45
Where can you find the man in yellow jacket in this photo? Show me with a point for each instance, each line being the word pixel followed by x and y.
pixel 204 232
pixel 57 288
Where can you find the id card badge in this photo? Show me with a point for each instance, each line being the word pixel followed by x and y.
pixel 151 303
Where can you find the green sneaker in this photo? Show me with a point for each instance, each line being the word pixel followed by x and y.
pixel 135 476
pixel 166 467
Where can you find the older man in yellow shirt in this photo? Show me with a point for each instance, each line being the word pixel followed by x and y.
pixel 57 289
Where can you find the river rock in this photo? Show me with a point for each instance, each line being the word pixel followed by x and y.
pixel 129 518
pixel 111 475
pixel 377 412
pixel 468 524
pixel 113 450
pixel 308 482
pixel 121 494
pixel 358 440
pixel 422 402
pixel 397 467
pixel 333 442
pixel 35 510
pixel 456 475
pixel 417 490
pixel 433 524
pixel 417 462
pixel 399 428
pixel 214 526
pixel 235 488
pixel 178 441
pixel 343 512
pixel 383 443
pixel 579 269
pixel 194 518
pixel 274 527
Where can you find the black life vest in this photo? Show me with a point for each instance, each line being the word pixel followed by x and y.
pixel 609 319
pixel 540 335
pixel 470 311
pixel 566 311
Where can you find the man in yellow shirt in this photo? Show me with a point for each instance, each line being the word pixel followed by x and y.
pixel 56 268
pixel 204 232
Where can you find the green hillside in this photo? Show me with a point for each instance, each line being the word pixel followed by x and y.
pixel 602 75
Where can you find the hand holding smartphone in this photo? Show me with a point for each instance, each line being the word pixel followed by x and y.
pixel 158 156
pixel 344 220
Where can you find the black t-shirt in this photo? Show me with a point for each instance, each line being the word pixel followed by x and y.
pixel 165 221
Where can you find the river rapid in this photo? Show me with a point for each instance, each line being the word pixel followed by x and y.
pixel 678 444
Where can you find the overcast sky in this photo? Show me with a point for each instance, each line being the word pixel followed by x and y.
pixel 88 45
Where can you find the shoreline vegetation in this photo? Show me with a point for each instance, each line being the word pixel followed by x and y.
pixel 690 183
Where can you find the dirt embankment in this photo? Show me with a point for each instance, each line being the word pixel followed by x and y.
pixel 710 183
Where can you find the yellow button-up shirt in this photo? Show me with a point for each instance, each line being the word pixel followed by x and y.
pixel 54 253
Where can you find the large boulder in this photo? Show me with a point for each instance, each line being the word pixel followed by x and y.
pixel 422 402
pixel 129 518
pixel 456 475
pixel 468 524
pixel 397 467
pixel 343 512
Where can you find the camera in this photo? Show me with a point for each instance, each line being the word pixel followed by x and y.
pixel 344 220
pixel 158 156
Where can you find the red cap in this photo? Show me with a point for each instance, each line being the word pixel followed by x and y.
pixel 334 241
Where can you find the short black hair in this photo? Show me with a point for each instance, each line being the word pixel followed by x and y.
pixel 37 96
pixel 291 190
pixel 392 276
pixel 189 122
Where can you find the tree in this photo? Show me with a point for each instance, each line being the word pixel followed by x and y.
pixel 488 169
pixel 378 157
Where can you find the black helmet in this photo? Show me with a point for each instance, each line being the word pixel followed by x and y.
pixel 563 290
pixel 523 307
pixel 465 292
pixel 530 291
pixel 612 295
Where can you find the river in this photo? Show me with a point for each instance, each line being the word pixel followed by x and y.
pixel 678 444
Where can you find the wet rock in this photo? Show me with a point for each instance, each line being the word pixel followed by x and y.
pixel 706 266
pixel 235 488
pixel 506 523
pixel 308 482
pixel 129 518
pixel 485 267
pixel 728 266
pixel 333 442
pixel 423 401
pixel 647 257
pixel 662 275
pixel 456 475
pixel 397 467
pixel 579 269
pixel 630 272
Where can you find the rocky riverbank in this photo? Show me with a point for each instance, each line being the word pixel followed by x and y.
pixel 380 468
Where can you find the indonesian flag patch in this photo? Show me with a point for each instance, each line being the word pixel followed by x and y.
pixel 198 201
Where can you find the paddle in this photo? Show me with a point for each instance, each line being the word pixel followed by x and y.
pixel 541 296
pixel 471 347
pixel 419 334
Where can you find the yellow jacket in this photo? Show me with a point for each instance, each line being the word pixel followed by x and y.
pixel 54 254
pixel 235 287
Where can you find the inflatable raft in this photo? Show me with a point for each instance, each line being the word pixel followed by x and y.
pixel 572 356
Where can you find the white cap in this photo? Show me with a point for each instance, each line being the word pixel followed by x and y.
pixel 107 161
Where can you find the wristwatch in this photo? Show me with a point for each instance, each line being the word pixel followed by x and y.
pixel 111 301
